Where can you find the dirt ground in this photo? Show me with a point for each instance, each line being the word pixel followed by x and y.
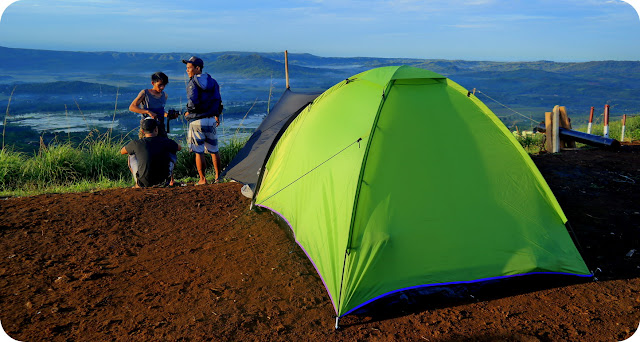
pixel 194 264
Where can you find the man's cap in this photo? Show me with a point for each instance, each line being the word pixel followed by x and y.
pixel 148 125
pixel 195 61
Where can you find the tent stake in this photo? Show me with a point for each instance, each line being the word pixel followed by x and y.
pixel 337 322
pixel 624 126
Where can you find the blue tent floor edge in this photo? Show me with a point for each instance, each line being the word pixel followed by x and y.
pixel 486 281
pixel 436 286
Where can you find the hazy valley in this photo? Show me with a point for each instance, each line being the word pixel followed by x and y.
pixel 62 92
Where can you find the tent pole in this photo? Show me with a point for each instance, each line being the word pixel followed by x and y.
pixel 286 67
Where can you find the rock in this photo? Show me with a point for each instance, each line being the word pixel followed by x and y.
pixel 279 328
pixel 61 280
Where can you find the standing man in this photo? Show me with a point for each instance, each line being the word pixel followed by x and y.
pixel 204 106
pixel 152 158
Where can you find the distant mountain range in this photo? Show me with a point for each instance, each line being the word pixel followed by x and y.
pixel 245 76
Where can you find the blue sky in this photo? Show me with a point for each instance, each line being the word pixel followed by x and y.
pixel 499 30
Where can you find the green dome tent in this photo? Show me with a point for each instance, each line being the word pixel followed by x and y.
pixel 398 178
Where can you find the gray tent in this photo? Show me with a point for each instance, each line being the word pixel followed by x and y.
pixel 246 165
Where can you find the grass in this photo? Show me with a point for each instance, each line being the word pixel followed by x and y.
pixel 95 163
pixel 632 131
pixel 532 143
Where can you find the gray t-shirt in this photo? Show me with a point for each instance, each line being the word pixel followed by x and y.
pixel 153 103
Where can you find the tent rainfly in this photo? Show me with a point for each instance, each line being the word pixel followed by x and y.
pixel 245 166
pixel 399 178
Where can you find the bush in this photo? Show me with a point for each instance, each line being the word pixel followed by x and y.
pixel 532 143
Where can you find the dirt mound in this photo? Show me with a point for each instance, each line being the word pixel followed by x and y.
pixel 193 264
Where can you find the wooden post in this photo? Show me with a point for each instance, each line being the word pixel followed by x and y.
pixel 606 121
pixel 548 123
pixel 590 121
pixel 556 131
pixel 624 126
pixel 286 67
pixel 565 122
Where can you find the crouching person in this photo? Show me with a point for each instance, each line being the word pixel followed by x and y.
pixel 152 158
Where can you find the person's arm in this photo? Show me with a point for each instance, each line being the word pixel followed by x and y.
pixel 218 98
pixel 124 150
pixel 135 106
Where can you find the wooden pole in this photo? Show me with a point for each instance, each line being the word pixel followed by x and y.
pixel 286 67
pixel 590 121
pixel 565 122
pixel 606 121
pixel 548 123
pixel 556 126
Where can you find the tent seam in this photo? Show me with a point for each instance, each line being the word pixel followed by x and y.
pixel 385 93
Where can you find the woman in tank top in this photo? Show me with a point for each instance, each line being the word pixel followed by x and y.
pixel 151 102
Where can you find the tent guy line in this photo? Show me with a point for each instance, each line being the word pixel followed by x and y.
pixel 505 106
pixel 308 172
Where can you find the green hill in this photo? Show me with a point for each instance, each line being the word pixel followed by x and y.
pixel 247 75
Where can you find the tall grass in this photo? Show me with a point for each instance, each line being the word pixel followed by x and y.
pixel 10 167
pixel 61 164
pixel 104 159
pixel 95 163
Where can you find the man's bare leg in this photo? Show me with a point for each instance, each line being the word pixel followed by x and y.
pixel 201 165
pixel 215 157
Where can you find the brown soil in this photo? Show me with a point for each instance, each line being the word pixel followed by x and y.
pixel 193 264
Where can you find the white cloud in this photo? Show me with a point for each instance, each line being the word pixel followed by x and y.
pixel 635 4
pixel 3 6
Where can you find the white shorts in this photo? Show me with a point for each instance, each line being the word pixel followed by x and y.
pixel 202 136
